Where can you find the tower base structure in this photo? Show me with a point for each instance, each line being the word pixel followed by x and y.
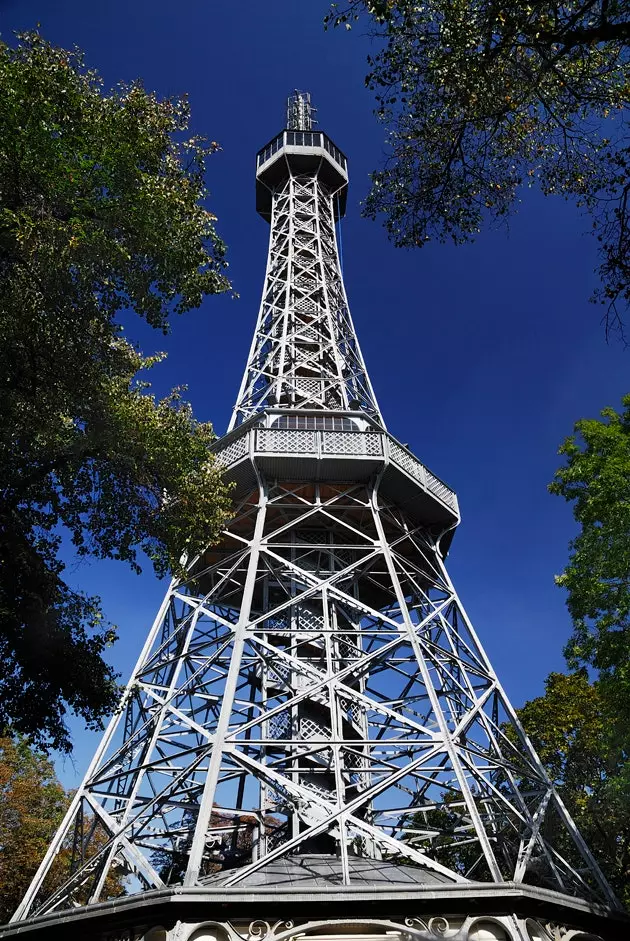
pixel 313 743
pixel 411 818
pixel 301 906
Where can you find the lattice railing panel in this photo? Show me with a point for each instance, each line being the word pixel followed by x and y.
pixel 373 444
pixel 233 452
pixel 407 462
pixel 440 489
pixel 286 440
pixel 310 729
pixel 351 443
pixel 358 443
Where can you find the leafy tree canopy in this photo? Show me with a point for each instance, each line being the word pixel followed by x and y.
pixel 596 478
pixel 584 747
pixel 481 96
pixel 32 803
pixel 101 212
pixel 580 727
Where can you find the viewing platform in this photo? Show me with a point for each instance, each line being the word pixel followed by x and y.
pixel 336 447
pixel 303 152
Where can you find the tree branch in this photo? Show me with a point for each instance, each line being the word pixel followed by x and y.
pixel 584 35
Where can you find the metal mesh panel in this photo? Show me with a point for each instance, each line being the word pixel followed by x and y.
pixel 310 729
pixel 287 440
pixel 407 462
pixel 278 837
pixel 352 711
pixel 278 674
pixel 351 443
pixel 310 620
pixel 308 335
pixel 439 489
pixel 309 388
pixel 280 726
pixel 232 452
pixel 306 305
pixel 373 443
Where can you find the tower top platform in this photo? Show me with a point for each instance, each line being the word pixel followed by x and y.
pixel 298 152
pixel 299 149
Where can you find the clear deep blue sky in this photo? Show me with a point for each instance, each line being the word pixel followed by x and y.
pixel 482 357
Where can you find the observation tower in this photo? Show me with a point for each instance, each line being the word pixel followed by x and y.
pixel 313 743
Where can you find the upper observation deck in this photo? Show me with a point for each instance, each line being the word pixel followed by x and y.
pixel 296 152
pixel 323 446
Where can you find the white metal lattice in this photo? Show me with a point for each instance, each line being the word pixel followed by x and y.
pixel 407 462
pixel 304 323
pixel 362 692
pixel 233 452
pixel 287 440
pixel 314 673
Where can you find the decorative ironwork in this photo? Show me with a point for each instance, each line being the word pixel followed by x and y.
pixel 313 684
pixel 305 354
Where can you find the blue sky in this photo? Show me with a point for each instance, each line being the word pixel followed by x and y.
pixel 482 356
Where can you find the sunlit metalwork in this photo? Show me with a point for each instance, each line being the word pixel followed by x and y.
pixel 312 696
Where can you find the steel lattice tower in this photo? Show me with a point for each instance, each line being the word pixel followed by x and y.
pixel 312 706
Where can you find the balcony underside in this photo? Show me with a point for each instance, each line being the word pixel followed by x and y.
pixel 322 456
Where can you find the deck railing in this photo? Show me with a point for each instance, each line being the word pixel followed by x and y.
pixel 370 444
pixel 301 139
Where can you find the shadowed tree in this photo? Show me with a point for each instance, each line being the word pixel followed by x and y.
pixel 479 97
pixel 584 747
pixel 101 212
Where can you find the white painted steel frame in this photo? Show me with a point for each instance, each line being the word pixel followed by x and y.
pixel 317 677
pixel 305 353
pixel 313 685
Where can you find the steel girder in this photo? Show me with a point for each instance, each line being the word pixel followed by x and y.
pixel 305 353
pixel 314 685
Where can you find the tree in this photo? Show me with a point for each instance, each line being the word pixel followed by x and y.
pixel 101 212
pixel 596 478
pixel 584 747
pixel 32 805
pixel 482 96
pixel 580 727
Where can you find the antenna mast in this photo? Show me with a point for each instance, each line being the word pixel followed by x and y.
pixel 300 112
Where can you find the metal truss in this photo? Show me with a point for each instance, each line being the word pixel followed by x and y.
pixel 305 354
pixel 313 686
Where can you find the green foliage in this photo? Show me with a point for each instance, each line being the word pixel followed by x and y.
pixel 585 747
pixel 32 806
pixel 482 96
pixel 581 728
pixel 596 478
pixel 32 803
pixel 101 212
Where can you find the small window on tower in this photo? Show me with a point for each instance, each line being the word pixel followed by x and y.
pixel 316 423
